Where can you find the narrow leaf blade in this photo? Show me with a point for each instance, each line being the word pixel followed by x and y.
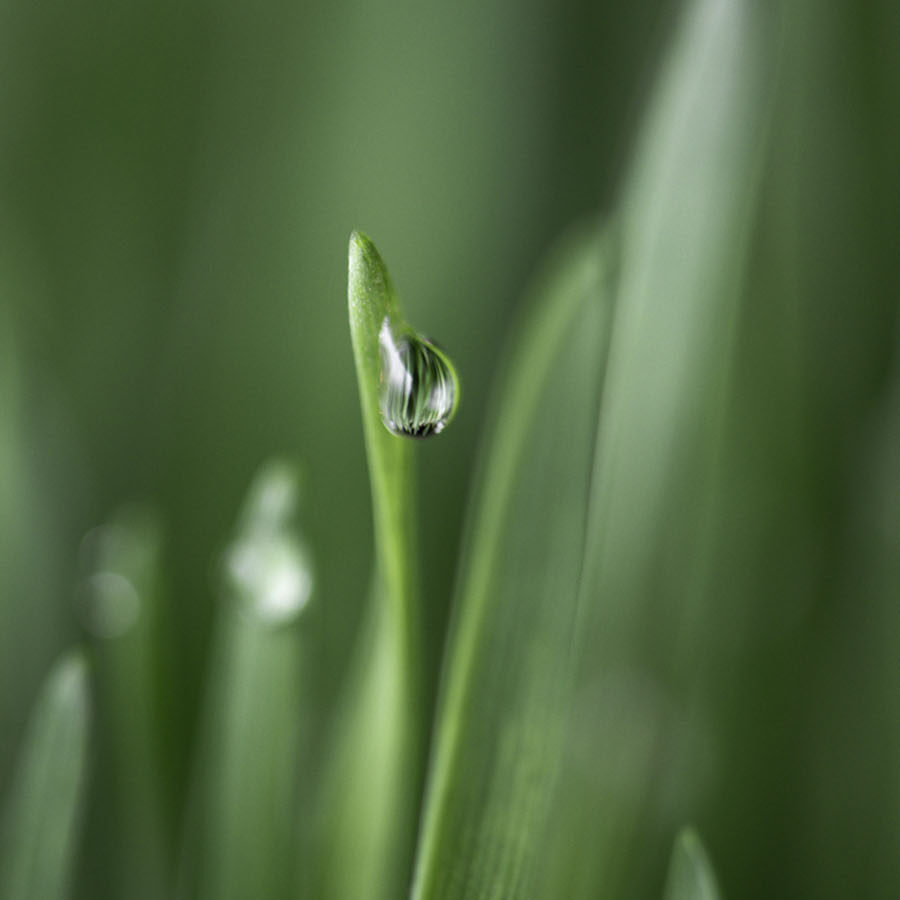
pixel 250 756
pixel 371 300
pixel 509 662
pixel 372 785
pixel 41 824
pixel 691 875
pixel 119 604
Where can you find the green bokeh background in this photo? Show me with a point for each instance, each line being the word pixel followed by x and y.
pixel 177 186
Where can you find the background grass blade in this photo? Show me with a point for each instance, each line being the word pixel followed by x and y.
pixel 373 784
pixel 691 875
pixel 509 661
pixel 118 602
pixel 638 750
pixel 249 754
pixel 40 828
pixel 34 559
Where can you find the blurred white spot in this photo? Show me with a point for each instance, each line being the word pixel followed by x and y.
pixel 267 568
pixel 271 575
pixel 275 494
pixel 108 604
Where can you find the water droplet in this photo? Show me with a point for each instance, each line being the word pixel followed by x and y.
pixel 419 389
pixel 268 567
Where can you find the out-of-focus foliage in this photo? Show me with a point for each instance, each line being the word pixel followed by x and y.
pixel 690 873
pixel 40 826
pixel 502 719
pixel 678 597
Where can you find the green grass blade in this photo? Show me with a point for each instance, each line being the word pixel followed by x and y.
pixel 687 219
pixel 34 556
pixel 502 716
pixel 372 300
pixel 42 818
pixel 691 875
pixel 250 750
pixel 118 602
pixel 688 215
pixel 373 784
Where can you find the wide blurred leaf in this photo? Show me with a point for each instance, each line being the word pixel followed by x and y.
pixel 497 823
pixel 509 670
pixel 636 749
pixel 687 218
pixel 40 827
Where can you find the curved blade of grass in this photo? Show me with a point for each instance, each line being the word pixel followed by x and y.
pixel 691 875
pixel 488 831
pixel 687 217
pixel 371 300
pixel 118 602
pixel 374 782
pixel 502 714
pixel 250 750
pixel 34 555
pixel 42 818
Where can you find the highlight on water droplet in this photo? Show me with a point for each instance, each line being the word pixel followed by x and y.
pixel 418 386
pixel 267 568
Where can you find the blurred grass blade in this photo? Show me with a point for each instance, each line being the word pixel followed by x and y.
pixel 373 784
pixel 854 703
pixel 34 556
pixel 250 749
pixel 528 594
pixel 688 215
pixel 509 661
pixel 41 820
pixel 691 875
pixel 118 602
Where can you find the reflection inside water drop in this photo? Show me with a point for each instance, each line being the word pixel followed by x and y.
pixel 419 389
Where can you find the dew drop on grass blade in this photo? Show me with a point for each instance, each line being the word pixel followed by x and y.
pixel 408 388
